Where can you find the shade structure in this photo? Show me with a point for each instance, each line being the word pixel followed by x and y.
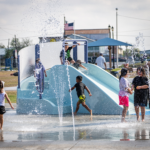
pixel 108 42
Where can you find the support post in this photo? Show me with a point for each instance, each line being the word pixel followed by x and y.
pixel 109 47
pixel 63 49
pixel 117 33
pixel 75 52
pixel 37 52
pixel 18 72
pixel 113 57
pixel 86 52
pixel 40 85
pixel 37 55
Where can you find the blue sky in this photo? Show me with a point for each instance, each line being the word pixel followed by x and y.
pixel 27 18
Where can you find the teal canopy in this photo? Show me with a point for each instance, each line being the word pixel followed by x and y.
pixel 108 42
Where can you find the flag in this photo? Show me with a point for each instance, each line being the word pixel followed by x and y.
pixel 69 26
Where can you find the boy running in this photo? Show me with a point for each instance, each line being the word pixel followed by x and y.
pixel 80 93
pixel 67 54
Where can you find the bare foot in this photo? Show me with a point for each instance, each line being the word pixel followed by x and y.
pixel 1 129
pixel 91 113
pixel 123 119
pixel 75 113
pixel 138 118
pixel 143 120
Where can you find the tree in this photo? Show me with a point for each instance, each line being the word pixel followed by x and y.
pixel 15 43
pixel 9 53
pixel 26 42
pixel 2 46
pixel 18 45
pixel 128 52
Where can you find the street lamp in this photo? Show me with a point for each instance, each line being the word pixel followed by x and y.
pixel 109 27
pixel 109 47
pixel 112 32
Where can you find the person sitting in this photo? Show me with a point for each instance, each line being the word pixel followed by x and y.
pixel 67 54
pixel 14 74
pixel 130 69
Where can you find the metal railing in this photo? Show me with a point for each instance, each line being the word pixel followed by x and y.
pixel 75 49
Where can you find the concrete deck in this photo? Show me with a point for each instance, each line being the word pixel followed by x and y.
pixel 32 132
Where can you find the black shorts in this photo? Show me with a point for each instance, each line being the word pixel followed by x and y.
pixel 2 110
pixel 69 59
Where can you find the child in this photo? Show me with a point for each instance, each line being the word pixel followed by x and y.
pixel 38 68
pixel 80 92
pixel 78 64
pixel 3 95
pixel 140 85
pixel 67 54
pixel 124 92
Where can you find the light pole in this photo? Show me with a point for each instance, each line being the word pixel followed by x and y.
pixel 109 27
pixel 112 32
pixel 113 46
pixel 117 33
pixel 109 47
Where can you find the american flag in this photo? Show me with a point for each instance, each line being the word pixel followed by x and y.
pixel 69 26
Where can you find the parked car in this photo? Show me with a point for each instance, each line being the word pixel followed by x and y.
pixel 94 60
pixel 122 60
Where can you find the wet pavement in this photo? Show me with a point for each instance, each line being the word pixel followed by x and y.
pixel 39 131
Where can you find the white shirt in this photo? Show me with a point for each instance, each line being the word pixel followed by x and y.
pixel 100 61
pixel 2 99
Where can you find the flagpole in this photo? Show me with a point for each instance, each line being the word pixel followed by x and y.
pixel 74 29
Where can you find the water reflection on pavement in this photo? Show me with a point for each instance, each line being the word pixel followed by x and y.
pixel 47 128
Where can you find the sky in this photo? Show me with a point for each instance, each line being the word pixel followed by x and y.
pixel 34 18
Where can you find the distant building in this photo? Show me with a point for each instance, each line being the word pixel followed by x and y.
pixel 49 39
pixel 146 51
pixel 91 35
pixel 94 34
pixel 120 51
pixel 77 36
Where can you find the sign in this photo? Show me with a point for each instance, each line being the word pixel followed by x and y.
pixel 2 51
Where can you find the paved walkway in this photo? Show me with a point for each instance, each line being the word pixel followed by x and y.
pixel 45 132
pixel 79 145
pixel 7 106
pixel 10 88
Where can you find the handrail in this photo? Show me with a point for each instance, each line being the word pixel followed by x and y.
pixel 75 53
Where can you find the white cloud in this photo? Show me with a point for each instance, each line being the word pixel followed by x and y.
pixel 23 15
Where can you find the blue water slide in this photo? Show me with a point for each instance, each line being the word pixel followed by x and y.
pixel 57 99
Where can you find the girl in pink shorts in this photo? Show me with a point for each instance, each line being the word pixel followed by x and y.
pixel 124 92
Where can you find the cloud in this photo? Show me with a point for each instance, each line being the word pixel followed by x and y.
pixel 85 13
pixel 15 2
